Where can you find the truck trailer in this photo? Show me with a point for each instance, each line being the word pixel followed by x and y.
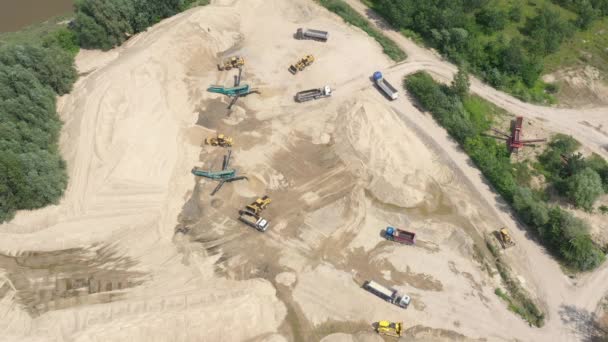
pixel 389 295
pixel 386 87
pixel 313 94
pixel 321 36
pixel 253 220
pixel 399 235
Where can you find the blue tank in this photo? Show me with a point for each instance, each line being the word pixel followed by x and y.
pixel 377 75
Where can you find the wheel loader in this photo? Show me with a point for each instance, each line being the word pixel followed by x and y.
pixel 219 140
pixel 258 205
pixel 505 238
pixel 301 64
pixel 231 62
pixel 393 329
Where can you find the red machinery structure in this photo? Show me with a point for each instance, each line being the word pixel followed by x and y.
pixel 514 140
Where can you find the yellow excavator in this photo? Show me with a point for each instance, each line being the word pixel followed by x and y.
pixel 394 329
pixel 258 205
pixel 505 238
pixel 231 62
pixel 301 64
pixel 219 140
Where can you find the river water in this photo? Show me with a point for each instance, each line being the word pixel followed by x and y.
pixel 17 14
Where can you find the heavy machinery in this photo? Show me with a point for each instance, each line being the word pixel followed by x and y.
pixel 514 140
pixel 505 238
pixel 321 36
pixel 394 329
pixel 253 220
pixel 386 87
pixel 389 295
pixel 313 94
pixel 258 205
pixel 301 64
pixel 224 176
pixel 234 92
pixel 219 140
pixel 401 236
pixel 231 62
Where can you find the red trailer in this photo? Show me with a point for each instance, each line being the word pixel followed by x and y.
pixel 401 236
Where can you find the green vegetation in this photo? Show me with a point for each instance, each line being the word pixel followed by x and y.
pixel 505 42
pixel 516 297
pixel 352 17
pixel 466 118
pixel 104 24
pixel 32 74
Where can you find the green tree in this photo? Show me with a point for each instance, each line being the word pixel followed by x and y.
pixel 546 31
pixel 584 188
pixel 461 83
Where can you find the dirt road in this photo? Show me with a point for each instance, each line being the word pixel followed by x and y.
pixel 558 291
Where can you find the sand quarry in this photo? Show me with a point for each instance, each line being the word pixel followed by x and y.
pixel 114 262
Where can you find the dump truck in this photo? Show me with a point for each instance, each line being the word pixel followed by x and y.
pixel 505 238
pixel 258 205
pixel 313 94
pixel 312 34
pixel 399 235
pixel 219 140
pixel 253 220
pixel 386 87
pixel 394 329
pixel 389 295
pixel 301 64
pixel 231 62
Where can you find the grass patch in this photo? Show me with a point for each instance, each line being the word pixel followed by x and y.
pixel 389 47
pixel 516 297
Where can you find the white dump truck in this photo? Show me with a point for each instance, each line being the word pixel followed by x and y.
pixel 389 295
pixel 253 220
pixel 313 94
pixel 386 87
pixel 312 34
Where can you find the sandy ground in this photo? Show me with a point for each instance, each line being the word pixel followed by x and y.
pixel 113 261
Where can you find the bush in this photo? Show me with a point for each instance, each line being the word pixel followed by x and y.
pixel 584 188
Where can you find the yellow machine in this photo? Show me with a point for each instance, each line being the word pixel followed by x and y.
pixel 505 238
pixel 301 64
pixel 219 140
pixel 232 62
pixel 259 205
pixel 394 329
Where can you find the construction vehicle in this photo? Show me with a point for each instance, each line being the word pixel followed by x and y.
pixel 223 176
pixel 313 94
pixel 231 62
pixel 401 236
pixel 389 295
pixel 258 205
pixel 505 238
pixel 301 64
pixel 253 220
pixel 386 87
pixel 321 36
pixel 514 141
pixel 219 140
pixel 394 329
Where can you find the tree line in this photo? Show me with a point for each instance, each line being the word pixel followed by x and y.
pixel 562 233
pixel 471 31
pixel 104 24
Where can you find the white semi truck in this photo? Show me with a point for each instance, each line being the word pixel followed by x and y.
pixel 389 295
pixel 313 94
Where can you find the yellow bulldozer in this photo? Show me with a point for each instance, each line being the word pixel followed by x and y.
pixel 219 140
pixel 505 238
pixel 231 62
pixel 301 64
pixel 258 205
pixel 394 329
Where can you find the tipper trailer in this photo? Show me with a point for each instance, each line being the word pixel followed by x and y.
pixel 389 295
pixel 386 87
pixel 253 220
pixel 313 94
pixel 321 36
pixel 399 235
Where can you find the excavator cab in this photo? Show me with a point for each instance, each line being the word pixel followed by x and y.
pixel 394 329
pixel 505 238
